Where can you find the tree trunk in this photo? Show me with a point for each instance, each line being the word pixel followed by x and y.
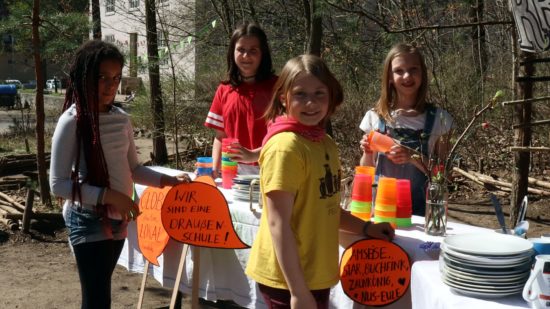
pixel 160 155
pixel 96 20
pixel 314 27
pixel 39 101
pixel 522 136
pixel 314 37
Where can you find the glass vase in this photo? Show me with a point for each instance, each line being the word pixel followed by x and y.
pixel 436 209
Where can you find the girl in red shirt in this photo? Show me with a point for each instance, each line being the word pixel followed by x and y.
pixel 241 99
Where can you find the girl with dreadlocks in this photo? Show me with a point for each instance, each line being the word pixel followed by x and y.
pixel 93 166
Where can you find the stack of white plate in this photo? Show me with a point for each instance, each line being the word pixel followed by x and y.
pixel 243 184
pixel 487 265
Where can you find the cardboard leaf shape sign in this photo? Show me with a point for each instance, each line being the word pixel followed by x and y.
pixel 152 238
pixel 206 179
pixel 197 214
pixel 374 272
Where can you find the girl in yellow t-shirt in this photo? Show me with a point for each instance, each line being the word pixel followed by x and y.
pixel 294 258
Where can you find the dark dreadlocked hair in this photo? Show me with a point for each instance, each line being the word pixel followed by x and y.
pixel 82 92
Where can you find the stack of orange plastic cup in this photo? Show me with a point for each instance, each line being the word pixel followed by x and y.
pixel 385 205
pixel 229 168
pixel 403 212
pixel 361 196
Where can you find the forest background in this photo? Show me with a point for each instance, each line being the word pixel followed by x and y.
pixel 470 48
pixel 471 52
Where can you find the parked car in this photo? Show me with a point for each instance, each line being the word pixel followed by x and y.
pixel 15 82
pixel 50 83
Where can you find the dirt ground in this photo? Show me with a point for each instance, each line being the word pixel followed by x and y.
pixel 38 270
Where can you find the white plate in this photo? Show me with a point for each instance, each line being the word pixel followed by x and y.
pixel 248 177
pixel 467 262
pixel 485 286
pixel 523 257
pixel 495 283
pixel 482 293
pixel 481 270
pixel 484 278
pixel 488 244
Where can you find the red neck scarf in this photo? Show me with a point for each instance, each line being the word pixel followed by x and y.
pixel 286 124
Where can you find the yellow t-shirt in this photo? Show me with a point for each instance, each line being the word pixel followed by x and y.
pixel 310 170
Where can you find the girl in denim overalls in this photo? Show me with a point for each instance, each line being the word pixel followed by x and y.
pixel 403 113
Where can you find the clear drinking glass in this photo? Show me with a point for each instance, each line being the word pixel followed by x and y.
pixel 436 209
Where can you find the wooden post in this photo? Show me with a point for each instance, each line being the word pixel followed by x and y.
pixel 196 278
pixel 27 214
pixel 522 135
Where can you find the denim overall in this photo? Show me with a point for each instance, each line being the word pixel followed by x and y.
pixel 415 139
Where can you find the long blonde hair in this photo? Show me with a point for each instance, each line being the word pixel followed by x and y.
pixel 310 64
pixel 388 95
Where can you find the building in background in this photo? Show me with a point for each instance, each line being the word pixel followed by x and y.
pixel 123 23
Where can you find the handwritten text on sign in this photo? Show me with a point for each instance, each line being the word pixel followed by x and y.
pixel 152 238
pixel 375 272
pixel 197 214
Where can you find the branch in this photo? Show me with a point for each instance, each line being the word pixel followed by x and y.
pixel 461 137
pixel 529 149
pixel 431 27
pixel 525 101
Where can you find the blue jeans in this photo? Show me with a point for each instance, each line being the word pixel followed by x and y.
pixel 85 225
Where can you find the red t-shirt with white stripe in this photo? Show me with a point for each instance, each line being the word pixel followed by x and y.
pixel 239 111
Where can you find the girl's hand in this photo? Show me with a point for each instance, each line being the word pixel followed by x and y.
pixel 399 155
pixel 381 230
pixel 124 205
pixel 240 154
pixel 215 174
pixel 303 301
pixel 171 181
pixel 365 146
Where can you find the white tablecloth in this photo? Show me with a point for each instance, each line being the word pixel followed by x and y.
pixel 222 270
pixel 428 291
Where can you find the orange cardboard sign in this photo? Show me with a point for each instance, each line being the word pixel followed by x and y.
pixel 374 272
pixel 152 238
pixel 206 179
pixel 197 214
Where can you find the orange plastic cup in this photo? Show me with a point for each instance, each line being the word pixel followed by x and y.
pixel 386 191
pixel 384 214
pixel 383 207
pixel 365 216
pixel 366 170
pixel 380 142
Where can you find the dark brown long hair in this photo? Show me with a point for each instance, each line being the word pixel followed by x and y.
pixel 82 92
pixel 265 69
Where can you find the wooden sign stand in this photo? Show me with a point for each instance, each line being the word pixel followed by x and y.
pixel 142 287
pixel 178 276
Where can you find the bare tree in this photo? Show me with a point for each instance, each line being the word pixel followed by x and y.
pixel 40 155
pixel 160 155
